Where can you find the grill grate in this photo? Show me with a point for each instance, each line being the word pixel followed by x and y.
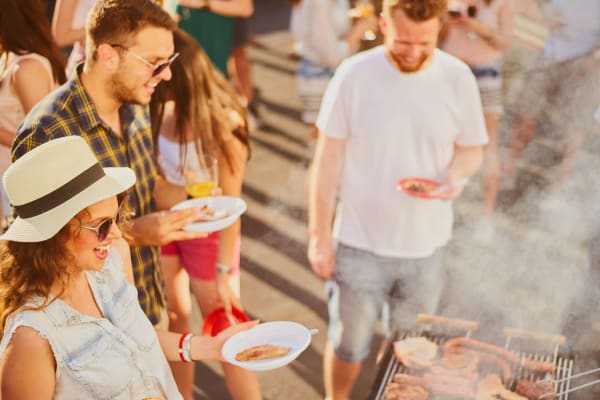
pixel 390 366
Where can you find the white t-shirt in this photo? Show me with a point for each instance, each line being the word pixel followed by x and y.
pixel 398 125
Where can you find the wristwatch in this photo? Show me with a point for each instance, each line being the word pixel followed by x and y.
pixel 223 268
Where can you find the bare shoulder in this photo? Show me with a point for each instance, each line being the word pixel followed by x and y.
pixel 28 355
pixel 30 67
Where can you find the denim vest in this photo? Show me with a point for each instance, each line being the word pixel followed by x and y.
pixel 115 357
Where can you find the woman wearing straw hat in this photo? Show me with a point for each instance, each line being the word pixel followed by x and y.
pixel 72 325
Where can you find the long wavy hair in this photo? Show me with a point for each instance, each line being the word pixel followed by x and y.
pixel 29 270
pixel 33 269
pixel 24 29
pixel 203 99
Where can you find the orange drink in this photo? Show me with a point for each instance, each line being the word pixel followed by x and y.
pixel 200 189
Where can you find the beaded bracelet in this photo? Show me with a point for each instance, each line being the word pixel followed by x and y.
pixel 185 345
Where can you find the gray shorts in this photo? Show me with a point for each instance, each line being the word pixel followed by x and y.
pixel 489 82
pixel 364 283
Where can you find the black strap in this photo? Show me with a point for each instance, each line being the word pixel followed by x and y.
pixel 61 194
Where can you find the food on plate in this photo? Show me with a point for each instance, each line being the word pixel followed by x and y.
pixel 488 348
pixel 415 352
pixel 206 213
pixel 418 186
pixel 533 390
pixel 491 388
pixel 262 352
pixel 399 391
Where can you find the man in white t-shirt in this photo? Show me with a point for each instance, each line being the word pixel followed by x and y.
pixel 403 109
pixel 562 86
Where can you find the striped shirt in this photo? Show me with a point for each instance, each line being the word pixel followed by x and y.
pixel 70 111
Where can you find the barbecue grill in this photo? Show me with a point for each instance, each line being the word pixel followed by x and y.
pixel 563 363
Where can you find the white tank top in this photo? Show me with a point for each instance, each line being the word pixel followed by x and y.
pixel 11 110
pixel 171 165
pixel 114 357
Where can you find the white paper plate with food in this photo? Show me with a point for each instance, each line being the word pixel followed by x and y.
pixel 267 346
pixel 216 212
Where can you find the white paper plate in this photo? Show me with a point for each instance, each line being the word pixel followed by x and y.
pixel 233 205
pixel 281 333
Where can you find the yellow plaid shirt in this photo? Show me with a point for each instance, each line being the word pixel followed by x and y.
pixel 70 111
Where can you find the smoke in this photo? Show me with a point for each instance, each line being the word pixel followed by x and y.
pixel 532 265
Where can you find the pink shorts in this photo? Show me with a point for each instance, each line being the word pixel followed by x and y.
pixel 199 256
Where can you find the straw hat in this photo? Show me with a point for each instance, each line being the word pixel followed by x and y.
pixel 53 182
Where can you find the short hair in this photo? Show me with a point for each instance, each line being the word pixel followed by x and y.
pixel 417 10
pixel 117 21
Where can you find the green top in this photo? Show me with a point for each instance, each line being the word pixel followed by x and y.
pixel 212 31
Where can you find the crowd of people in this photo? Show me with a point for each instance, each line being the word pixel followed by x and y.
pixel 97 274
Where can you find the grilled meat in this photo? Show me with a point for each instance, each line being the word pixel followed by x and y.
pixel 533 390
pixel 415 352
pixel 262 352
pixel 399 391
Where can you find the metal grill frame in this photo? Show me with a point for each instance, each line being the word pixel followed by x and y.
pixel 389 366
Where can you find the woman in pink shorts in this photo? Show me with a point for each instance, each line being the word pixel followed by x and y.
pixel 194 114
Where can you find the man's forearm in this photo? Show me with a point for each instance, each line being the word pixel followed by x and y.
pixel 167 194
pixel 466 162
pixel 323 183
pixel 237 8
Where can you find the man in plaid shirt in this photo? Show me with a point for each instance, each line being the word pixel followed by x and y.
pixel 129 50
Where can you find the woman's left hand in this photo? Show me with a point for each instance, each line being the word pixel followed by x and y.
pixel 232 330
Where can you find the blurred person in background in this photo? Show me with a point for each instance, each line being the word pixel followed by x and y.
pixel 561 88
pixel 71 323
pixel 194 114
pixel 211 24
pixel 240 69
pixel 324 35
pixel 30 67
pixel 477 32
pixel 129 47
pixel 68 28
pixel 402 109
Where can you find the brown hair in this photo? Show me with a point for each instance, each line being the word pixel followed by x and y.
pixel 32 269
pixel 203 101
pixel 24 29
pixel 417 10
pixel 117 22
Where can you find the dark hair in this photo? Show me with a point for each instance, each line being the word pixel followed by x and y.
pixel 25 29
pixel 203 99
pixel 117 21
pixel 417 10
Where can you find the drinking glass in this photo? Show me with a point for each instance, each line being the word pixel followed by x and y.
pixel 366 9
pixel 200 182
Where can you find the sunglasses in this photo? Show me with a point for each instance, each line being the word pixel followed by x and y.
pixel 156 68
pixel 103 228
